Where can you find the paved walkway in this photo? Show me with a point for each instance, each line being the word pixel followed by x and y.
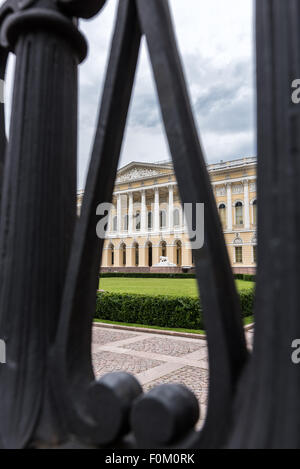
pixel 154 359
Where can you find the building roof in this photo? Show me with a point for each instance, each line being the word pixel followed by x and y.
pixel 137 170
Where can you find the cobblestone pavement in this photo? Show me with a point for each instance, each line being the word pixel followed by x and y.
pixel 106 362
pixel 155 359
pixel 173 347
pixel 108 336
pixel 194 378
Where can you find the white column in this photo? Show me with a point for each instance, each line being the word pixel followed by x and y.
pixel 171 207
pixel 229 207
pixel 119 213
pixel 109 225
pixel 184 221
pixel 130 214
pixel 143 212
pixel 247 206
pixel 156 209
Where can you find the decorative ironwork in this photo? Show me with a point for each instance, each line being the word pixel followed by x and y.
pixel 50 260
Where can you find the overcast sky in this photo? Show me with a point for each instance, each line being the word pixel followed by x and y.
pixel 216 41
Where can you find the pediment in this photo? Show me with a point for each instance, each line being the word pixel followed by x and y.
pixel 135 172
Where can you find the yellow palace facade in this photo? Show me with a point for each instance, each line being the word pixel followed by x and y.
pixel 147 221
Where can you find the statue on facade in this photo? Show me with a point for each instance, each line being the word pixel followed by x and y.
pixel 164 262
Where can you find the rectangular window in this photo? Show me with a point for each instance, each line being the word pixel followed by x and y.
pixel 138 221
pixel 137 260
pixel 254 212
pixel 115 224
pixel 222 212
pixel 239 215
pixel 176 217
pixel 150 224
pixel 126 223
pixel 163 219
pixel 239 255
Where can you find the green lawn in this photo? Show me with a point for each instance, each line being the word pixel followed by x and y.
pixel 158 286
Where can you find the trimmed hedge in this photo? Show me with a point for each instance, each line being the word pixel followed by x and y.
pixel 161 311
pixel 246 277
pixel 247 302
pixel 143 275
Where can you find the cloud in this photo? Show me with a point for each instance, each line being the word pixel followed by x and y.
pixel 216 44
pixel 215 40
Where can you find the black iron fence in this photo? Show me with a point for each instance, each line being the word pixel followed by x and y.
pixel 50 260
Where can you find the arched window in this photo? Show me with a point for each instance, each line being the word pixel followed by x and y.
pixel 254 212
pixel 111 255
pixel 150 221
pixel 123 253
pixel 178 253
pixel 136 255
pixel 126 222
pixel 176 216
pixel 115 223
pixel 138 221
pixel 222 213
pixel 162 219
pixel 163 249
pixel 239 218
pixel 149 254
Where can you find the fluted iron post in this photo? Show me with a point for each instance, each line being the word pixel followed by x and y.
pixel 38 210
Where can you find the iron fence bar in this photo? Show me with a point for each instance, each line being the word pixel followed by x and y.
pixel 226 341
pixel 48 391
pixel 3 140
pixel 72 372
pixel 38 214
pixel 267 411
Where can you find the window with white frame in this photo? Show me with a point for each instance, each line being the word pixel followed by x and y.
pixel 126 222
pixel 162 219
pixel 138 221
pixel 115 223
pixel 176 217
pixel 136 255
pixel 239 213
pixel 112 255
pixel 123 251
pixel 222 213
pixel 254 208
pixel 238 254
pixel 150 221
pixel 178 253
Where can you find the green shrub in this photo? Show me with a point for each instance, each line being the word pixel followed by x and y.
pixel 161 311
pixel 246 277
pixel 247 302
pixel 143 275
